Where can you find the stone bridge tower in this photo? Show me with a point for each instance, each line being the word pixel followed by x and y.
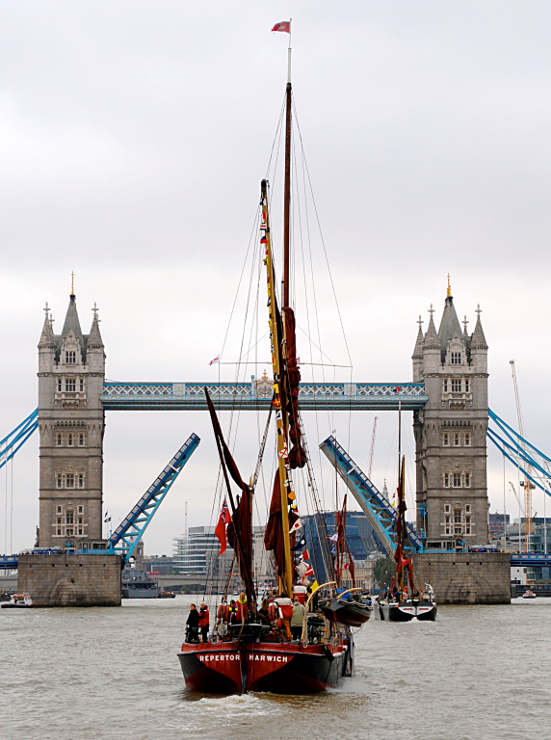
pixel 71 371
pixel 450 432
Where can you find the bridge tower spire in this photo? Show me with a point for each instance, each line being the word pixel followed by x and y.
pixel 71 372
pixel 450 432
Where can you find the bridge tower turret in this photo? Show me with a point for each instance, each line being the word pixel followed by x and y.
pixel 71 372
pixel 450 432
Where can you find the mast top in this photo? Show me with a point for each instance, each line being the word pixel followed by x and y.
pixel 285 27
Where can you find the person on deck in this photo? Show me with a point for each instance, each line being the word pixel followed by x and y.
pixel 232 612
pixel 285 607
pixel 263 612
pixel 222 618
pixel 241 607
pixel 192 624
pixel 297 619
pixel 204 622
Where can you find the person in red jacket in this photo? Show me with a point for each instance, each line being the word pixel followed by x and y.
pixel 204 622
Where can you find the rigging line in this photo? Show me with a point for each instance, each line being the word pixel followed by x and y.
pixel 277 135
pixel 321 234
pixel 318 346
pixel 251 241
pixel 236 410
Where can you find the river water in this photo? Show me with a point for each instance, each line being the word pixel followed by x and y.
pixel 477 672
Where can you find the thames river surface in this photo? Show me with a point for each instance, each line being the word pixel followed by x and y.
pixel 477 672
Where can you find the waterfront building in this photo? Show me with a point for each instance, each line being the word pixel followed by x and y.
pixel 450 432
pixel 71 370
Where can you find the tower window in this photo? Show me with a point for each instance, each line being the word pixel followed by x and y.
pixel 69 480
pixel 447 508
pixel 467 480
pixel 456 439
pixel 69 516
pixel 467 508
pixel 59 385
pixel 456 358
pixel 59 439
pixel 467 439
pixel 446 477
pixel 80 509
pixel 70 439
pixel 70 384
pixel 467 385
pixel 80 479
pixel 59 509
pixel 81 439
pixel 457 480
pixel 70 357
pixel 445 385
pixel 81 384
pixel 445 439
pixel 59 484
pixel 456 385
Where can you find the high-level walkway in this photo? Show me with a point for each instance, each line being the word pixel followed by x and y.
pixel 258 395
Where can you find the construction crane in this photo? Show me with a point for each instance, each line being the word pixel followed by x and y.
pixel 372 450
pixel 527 484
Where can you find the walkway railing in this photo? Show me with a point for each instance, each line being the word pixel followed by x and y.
pixel 258 394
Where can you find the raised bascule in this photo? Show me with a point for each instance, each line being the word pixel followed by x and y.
pixel 448 396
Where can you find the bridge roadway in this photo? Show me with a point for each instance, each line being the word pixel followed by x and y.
pixel 257 394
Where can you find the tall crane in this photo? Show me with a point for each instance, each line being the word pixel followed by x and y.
pixel 526 483
pixel 372 450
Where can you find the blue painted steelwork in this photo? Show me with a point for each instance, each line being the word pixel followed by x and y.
pixel 124 539
pixel 8 562
pixel 257 394
pixel 17 437
pixel 515 447
pixel 377 508
pixel 530 559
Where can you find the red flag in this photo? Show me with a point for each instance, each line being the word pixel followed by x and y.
pixel 220 530
pixel 284 26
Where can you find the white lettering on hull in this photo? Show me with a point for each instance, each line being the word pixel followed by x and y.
pixel 255 657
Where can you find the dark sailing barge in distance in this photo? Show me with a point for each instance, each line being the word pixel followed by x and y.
pixel 405 602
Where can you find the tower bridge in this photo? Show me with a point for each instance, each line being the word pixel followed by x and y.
pixel 447 395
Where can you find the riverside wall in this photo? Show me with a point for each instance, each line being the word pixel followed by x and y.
pixel 465 577
pixel 70 579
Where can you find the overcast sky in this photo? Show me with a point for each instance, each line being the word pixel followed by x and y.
pixel 132 140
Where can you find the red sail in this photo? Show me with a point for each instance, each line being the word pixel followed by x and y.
pixel 297 456
pixel 241 524
pixel 273 536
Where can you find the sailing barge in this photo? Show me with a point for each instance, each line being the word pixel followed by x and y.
pixel 405 602
pixel 253 653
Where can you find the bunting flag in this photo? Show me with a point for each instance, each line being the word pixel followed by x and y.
pixel 214 360
pixel 283 26
pixel 308 572
pixel 296 525
pixel 220 530
pixel 334 537
pixel 263 239
pixel 107 518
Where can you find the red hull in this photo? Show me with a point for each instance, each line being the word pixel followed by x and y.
pixel 225 667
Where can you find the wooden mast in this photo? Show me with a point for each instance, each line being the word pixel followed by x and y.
pixel 287 192
pixel 286 580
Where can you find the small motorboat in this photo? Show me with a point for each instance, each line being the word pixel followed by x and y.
pixel 529 594
pixel 18 601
